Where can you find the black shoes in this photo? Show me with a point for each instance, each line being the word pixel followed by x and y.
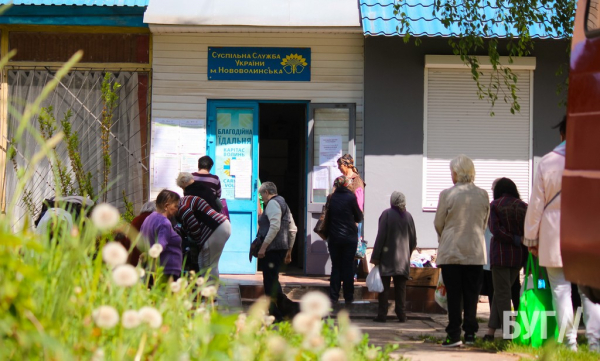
pixel 488 338
pixel 469 339
pixel 451 342
pixel 379 319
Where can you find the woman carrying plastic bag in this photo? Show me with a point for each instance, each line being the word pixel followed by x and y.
pixel 395 242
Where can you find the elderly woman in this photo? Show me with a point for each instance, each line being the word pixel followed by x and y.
pixel 342 216
pixel 460 222
pixel 193 187
pixel 395 242
pixel 157 228
pixel 205 225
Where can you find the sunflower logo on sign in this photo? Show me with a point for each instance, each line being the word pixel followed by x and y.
pixel 294 64
pixel 227 167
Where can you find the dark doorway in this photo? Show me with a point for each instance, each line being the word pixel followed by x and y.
pixel 282 153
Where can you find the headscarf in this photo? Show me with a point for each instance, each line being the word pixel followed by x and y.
pixel 341 181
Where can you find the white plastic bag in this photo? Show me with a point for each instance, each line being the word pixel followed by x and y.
pixel 441 297
pixel 374 281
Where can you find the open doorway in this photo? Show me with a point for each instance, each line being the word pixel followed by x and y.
pixel 282 160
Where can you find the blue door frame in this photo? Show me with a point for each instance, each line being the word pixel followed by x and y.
pixel 243 213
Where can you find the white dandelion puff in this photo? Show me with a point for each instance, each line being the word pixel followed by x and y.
pixel 334 354
pixel 352 335
pixel 151 316
pixel 175 287
pixel 371 354
pixel 306 323
pixel 315 303
pixel 313 342
pixel 155 250
pixel 210 291
pixel 268 320
pixel 98 355
pixel 276 345
pixel 114 254
pixel 187 305
pixel 105 317
pixel 141 272
pixel 105 216
pixel 77 290
pixel 200 281
pixel 125 275
pixel 131 319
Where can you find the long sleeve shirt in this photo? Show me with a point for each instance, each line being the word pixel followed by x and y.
pixel 273 212
pixel 507 219
pixel 198 219
pixel 212 181
pixel 158 229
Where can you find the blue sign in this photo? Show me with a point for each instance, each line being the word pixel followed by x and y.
pixel 259 64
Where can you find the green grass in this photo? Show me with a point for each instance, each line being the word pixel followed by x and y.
pixel 551 351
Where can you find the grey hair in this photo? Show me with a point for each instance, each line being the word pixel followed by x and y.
pixel 148 207
pixel 184 179
pixel 464 168
pixel 399 200
pixel 268 187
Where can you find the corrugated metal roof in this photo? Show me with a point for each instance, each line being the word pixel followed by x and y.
pixel 80 2
pixel 377 17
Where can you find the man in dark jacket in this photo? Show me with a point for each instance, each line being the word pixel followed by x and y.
pixel 343 214
pixel 395 242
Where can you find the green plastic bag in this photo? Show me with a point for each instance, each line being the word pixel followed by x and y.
pixel 535 325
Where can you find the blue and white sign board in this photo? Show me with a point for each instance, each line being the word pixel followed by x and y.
pixel 258 64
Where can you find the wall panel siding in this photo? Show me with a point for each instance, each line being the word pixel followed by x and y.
pixel 181 88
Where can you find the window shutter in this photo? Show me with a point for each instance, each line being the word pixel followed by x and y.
pixel 458 122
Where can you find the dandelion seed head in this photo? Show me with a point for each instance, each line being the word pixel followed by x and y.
pixel 150 316
pixel 114 254
pixel 105 217
pixel 131 319
pixel 105 317
pixel 125 275
pixel 315 303
pixel 155 250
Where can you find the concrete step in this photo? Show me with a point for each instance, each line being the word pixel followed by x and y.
pixel 418 299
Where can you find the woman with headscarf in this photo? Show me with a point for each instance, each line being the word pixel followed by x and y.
pixel 342 216
pixel 395 242
pixel 460 222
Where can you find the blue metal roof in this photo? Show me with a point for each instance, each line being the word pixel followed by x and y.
pixel 79 2
pixel 377 17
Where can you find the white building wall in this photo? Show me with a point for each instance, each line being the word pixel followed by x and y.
pixel 180 88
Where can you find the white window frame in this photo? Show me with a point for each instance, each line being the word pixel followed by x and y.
pixel 454 62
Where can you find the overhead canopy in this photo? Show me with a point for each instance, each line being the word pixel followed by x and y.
pixel 269 13
pixel 378 18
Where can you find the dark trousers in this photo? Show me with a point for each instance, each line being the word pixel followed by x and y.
pixel 463 283
pixel 271 265
pixel 342 270
pixel 488 289
pixel 503 279
pixel 399 296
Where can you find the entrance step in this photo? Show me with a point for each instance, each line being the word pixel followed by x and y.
pixel 418 299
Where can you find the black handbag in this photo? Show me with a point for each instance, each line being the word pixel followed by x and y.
pixel 255 246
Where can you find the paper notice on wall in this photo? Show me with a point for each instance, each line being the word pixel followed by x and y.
pixel 192 136
pixel 334 172
pixel 166 169
pixel 165 136
pixel 189 162
pixel 243 186
pixel 241 167
pixel 320 178
pixel 330 149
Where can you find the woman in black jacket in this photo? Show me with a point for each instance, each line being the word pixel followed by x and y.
pixel 343 215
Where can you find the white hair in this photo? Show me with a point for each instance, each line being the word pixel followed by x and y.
pixel 184 179
pixel 464 168
pixel 268 188
pixel 148 207
pixel 399 200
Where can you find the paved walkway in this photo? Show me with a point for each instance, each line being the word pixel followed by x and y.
pixel 410 337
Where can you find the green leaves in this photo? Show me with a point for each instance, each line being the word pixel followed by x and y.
pixel 473 23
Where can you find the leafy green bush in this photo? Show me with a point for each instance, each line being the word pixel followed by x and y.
pixel 62 299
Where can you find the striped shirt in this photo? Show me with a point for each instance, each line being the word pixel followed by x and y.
pixel 198 219
pixel 211 181
pixel 507 220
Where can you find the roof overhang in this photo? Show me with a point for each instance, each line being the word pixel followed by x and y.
pixel 253 15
